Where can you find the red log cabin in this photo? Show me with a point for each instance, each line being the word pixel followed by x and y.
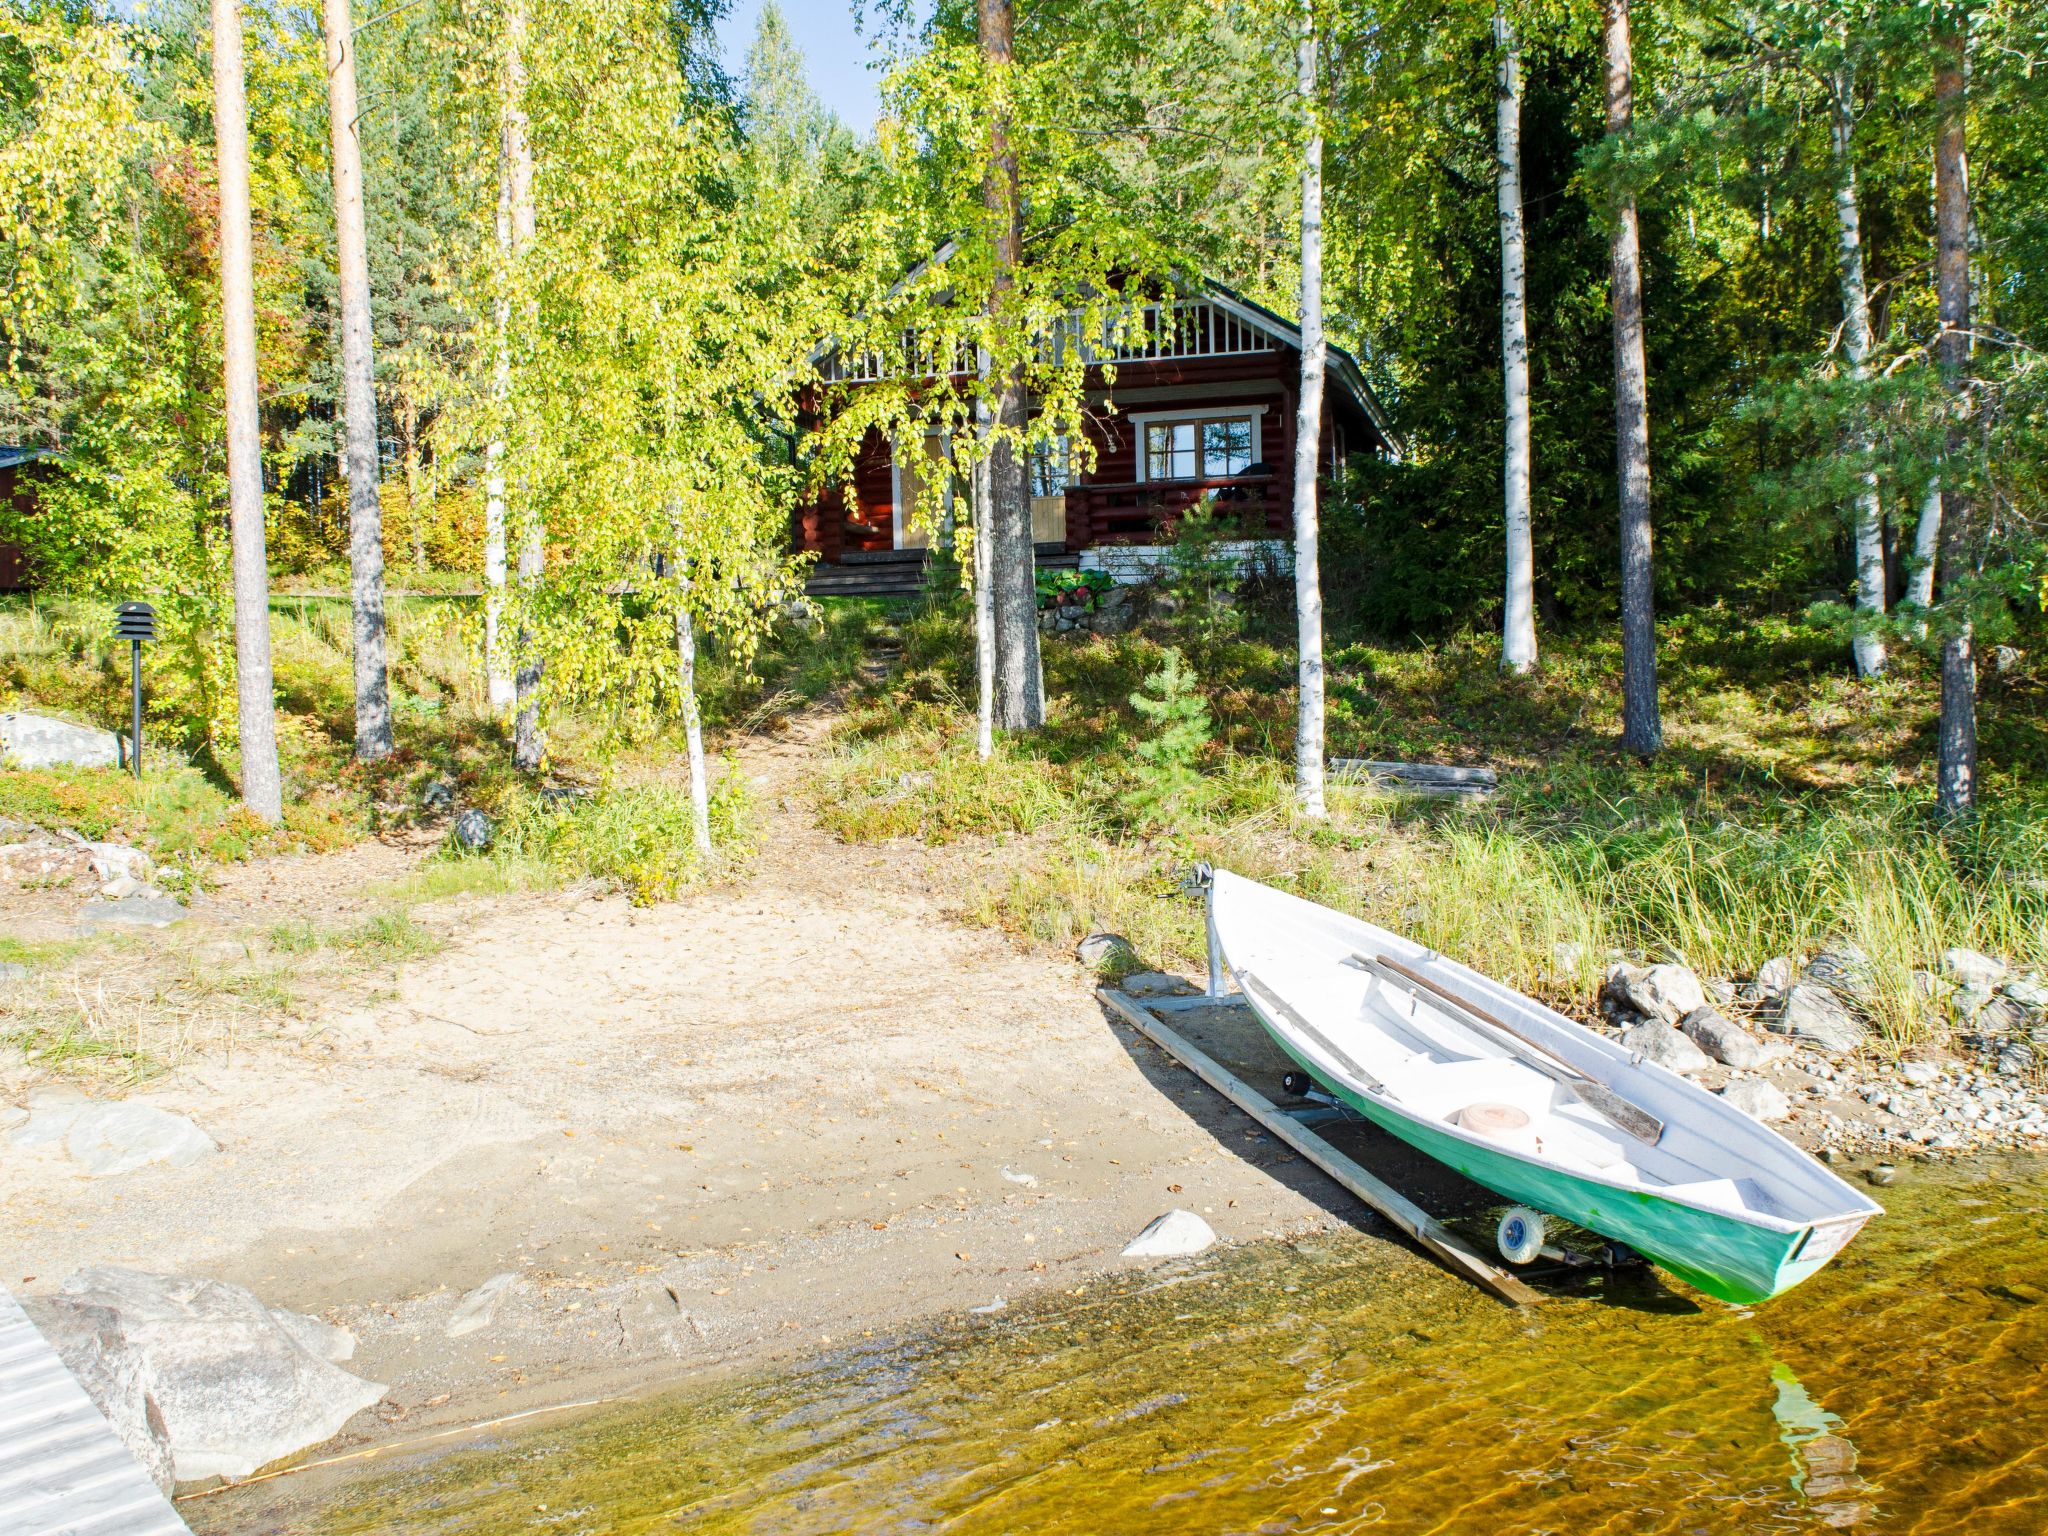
pixel 1203 403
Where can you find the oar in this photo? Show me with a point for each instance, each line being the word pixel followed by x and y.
pixel 1281 1009
pixel 1598 1097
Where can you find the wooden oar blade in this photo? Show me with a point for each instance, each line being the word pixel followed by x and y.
pixel 1633 1118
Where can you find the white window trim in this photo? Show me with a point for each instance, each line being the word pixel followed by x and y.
pixel 1220 411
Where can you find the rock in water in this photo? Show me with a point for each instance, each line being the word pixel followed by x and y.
pixel 39 741
pixel 236 1390
pixel 91 1343
pixel 476 1309
pixel 472 831
pixel 1972 967
pixel 1722 1038
pixel 1758 1100
pixel 1099 948
pixel 1667 992
pixel 1811 1012
pixel 1659 1042
pixel 1175 1235
pixel 119 1138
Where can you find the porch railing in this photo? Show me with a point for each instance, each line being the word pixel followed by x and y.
pixel 1145 511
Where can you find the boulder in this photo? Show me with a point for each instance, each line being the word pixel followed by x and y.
pixel 472 831
pixel 1813 1013
pixel 438 796
pixel 321 1340
pixel 1972 967
pixel 121 1137
pixel 236 1391
pixel 1722 1038
pixel 1667 992
pixel 1758 1100
pixel 142 910
pixel 2028 991
pixel 1920 1074
pixel 94 1348
pixel 478 1307
pixel 1774 977
pixel 1176 1235
pixel 1657 1041
pixel 41 741
pixel 1099 948
pixel 1845 970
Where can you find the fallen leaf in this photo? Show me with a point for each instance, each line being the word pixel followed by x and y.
pixel 1173 1189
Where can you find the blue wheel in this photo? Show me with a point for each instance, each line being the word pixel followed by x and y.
pixel 1520 1234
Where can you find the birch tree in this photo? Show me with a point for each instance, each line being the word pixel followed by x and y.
pixel 1871 593
pixel 1956 733
pixel 1308 430
pixel 515 177
pixel 359 380
pixel 1518 617
pixel 262 783
pixel 1642 730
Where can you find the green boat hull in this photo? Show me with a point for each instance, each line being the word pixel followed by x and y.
pixel 1729 1259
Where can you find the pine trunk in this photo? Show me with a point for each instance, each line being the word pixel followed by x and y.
pixel 1956 759
pixel 693 723
pixel 1868 645
pixel 1308 433
pixel 1012 559
pixel 1642 732
pixel 1518 619
pixel 262 784
pixel 359 393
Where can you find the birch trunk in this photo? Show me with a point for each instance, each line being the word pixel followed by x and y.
pixel 528 747
pixel 1012 559
pixel 1308 433
pixel 693 723
pixel 1926 547
pixel 1956 753
pixel 1642 732
pixel 984 612
pixel 262 784
pixel 1868 645
pixel 1518 618
pixel 359 393
pixel 498 676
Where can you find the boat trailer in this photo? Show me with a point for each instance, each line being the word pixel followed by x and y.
pixel 1296 1127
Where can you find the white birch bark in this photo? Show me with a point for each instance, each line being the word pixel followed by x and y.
pixel 693 723
pixel 359 392
pixel 1868 644
pixel 984 607
pixel 497 673
pixel 262 783
pixel 1926 547
pixel 1518 617
pixel 1308 432
pixel 527 743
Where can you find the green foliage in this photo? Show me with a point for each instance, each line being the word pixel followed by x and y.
pixel 1056 586
pixel 1203 572
pixel 1169 780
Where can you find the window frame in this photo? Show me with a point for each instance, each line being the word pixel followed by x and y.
pixel 1198 416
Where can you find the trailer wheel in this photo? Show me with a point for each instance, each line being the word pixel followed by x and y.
pixel 1520 1234
pixel 1297 1084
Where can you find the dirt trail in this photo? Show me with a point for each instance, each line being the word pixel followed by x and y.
pixel 804 1105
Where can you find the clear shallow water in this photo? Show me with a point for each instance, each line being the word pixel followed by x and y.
pixel 1324 1389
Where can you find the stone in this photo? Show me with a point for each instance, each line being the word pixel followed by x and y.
pixel 94 1348
pixel 235 1390
pixel 1722 1038
pixel 12 1117
pixel 2028 991
pixel 1176 1235
pixel 42 741
pixel 1565 957
pixel 137 911
pixel 1099 948
pixel 1157 984
pixel 1844 969
pixel 122 886
pixel 323 1341
pixel 1667 992
pixel 1813 1013
pixel 1774 977
pixel 1656 1041
pixel 1758 1099
pixel 1919 1073
pixel 438 796
pixel 1972 967
pixel 114 862
pixel 472 831
pixel 478 1307
pixel 13 970
pixel 121 1137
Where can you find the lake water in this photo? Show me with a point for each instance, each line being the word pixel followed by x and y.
pixel 1325 1387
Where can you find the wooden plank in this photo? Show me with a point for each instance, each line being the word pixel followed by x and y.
pixel 1451 1250
pixel 1418 778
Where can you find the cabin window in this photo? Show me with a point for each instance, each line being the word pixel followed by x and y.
pixel 1212 448
pixel 1051 468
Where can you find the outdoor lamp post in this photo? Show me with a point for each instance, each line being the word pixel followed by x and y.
pixel 135 623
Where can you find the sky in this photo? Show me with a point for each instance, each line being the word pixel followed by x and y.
pixel 835 56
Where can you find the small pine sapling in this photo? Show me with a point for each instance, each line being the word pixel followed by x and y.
pixel 1166 762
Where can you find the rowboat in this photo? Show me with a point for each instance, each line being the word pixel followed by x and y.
pixel 1529 1104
